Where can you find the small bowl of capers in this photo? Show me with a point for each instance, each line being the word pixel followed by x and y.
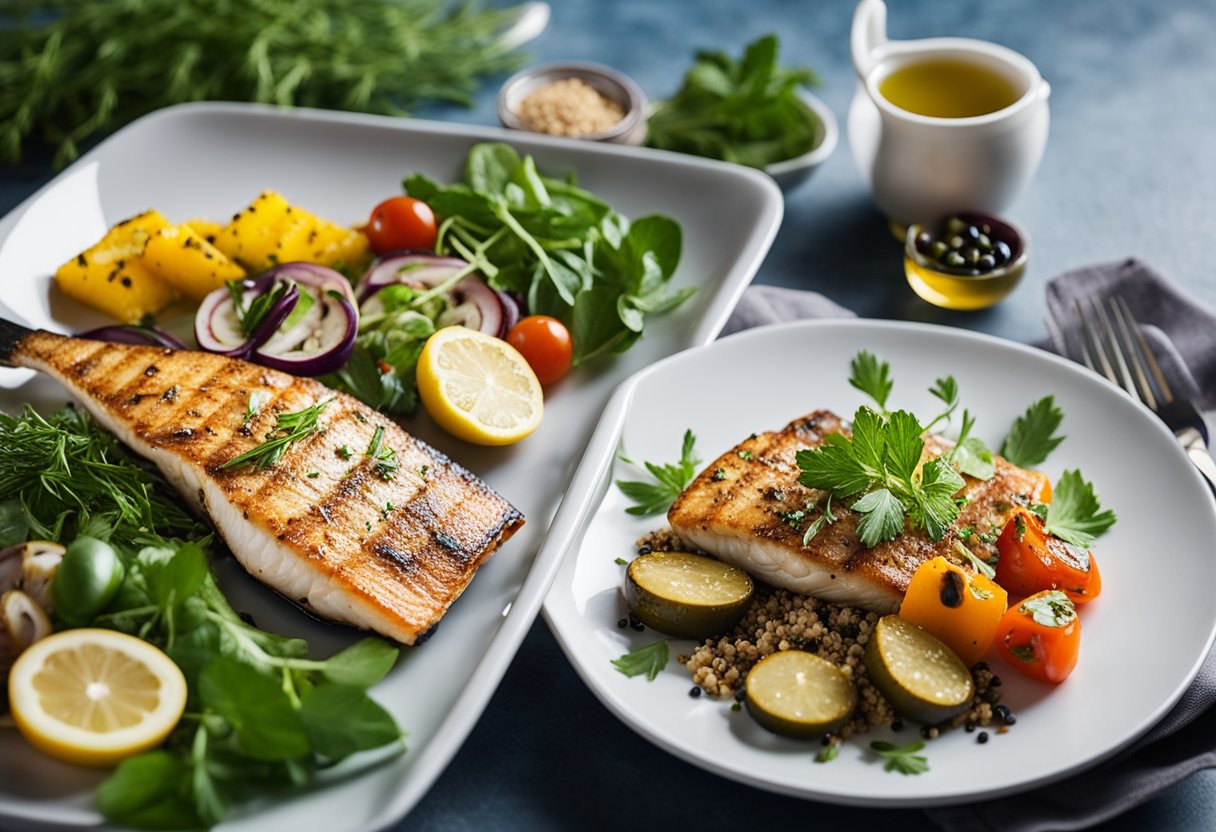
pixel 967 261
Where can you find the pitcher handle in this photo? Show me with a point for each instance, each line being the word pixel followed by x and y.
pixel 868 34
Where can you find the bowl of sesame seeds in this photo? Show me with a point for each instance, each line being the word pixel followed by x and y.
pixel 577 100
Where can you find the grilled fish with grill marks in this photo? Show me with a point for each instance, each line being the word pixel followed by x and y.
pixel 744 509
pixel 330 526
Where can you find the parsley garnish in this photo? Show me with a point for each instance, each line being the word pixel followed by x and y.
pixel 422 470
pixel 385 458
pixel 745 455
pixel 345 452
pixel 828 753
pixel 384 512
pixel 621 562
pixel 718 475
pixel 312 475
pixel 289 429
pixel 881 462
pixel 1073 514
pixel 794 518
pixel 903 759
pixel 872 377
pixel 945 389
pixel 970 454
pixel 981 566
pixel 825 519
pixel 1051 609
pixel 647 661
pixel 1032 437
pixel 1023 653
pixel 657 497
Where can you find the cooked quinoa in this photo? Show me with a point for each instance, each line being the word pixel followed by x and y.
pixel 782 620
pixel 569 107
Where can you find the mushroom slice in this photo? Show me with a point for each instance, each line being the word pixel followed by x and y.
pixel 23 619
pixel 39 561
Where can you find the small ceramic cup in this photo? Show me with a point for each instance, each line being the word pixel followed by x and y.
pixel 613 85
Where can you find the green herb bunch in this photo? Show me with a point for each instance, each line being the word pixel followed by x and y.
pixel 569 253
pixel 745 111
pixel 72 68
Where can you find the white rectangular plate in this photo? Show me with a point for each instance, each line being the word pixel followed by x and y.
pixel 209 160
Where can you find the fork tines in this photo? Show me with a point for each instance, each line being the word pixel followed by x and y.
pixel 1113 346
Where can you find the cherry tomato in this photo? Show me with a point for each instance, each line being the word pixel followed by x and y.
pixel 1032 561
pixel 1041 636
pixel 545 343
pixel 401 222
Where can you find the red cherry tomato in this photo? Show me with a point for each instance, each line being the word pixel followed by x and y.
pixel 545 343
pixel 401 222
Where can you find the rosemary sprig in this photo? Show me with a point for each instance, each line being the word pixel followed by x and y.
pixel 70 69
pixel 289 429
pixel 385 459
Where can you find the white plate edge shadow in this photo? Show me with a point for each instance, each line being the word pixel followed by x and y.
pixel 468 706
pixel 559 610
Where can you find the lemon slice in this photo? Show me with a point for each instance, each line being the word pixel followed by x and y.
pixel 93 697
pixel 478 388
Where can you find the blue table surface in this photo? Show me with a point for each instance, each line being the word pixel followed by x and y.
pixel 1128 170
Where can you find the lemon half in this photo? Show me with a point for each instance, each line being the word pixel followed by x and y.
pixel 94 697
pixel 478 387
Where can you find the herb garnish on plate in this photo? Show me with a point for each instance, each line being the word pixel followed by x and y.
pixel 670 480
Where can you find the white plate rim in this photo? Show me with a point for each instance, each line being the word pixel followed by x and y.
pixel 468 706
pixel 563 621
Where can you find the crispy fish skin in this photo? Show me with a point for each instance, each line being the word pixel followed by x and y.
pixel 381 550
pixel 739 508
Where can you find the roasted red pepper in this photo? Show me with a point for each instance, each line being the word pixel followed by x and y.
pixel 1041 636
pixel 1033 560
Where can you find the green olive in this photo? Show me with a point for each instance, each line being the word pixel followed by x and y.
pixel 86 581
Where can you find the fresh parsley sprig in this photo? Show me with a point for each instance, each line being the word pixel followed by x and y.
pixel 1033 434
pixel 880 462
pixel 646 661
pixel 1074 514
pixel 289 429
pixel 670 480
pixel 872 377
pixel 903 759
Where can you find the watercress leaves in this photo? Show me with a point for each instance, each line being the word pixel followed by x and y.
pixel 340 720
pixel 670 480
pixel 1033 434
pixel 254 703
pixel 1074 514
pixel 364 663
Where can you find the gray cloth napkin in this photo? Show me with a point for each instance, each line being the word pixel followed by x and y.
pixel 1183 335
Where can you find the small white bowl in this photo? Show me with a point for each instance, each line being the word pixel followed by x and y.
pixel 791 173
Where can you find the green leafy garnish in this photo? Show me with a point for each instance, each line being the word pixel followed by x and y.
pixel 1074 515
pixel 745 111
pixel 903 759
pixel 621 562
pixel 670 480
pixel 881 462
pixel 256 399
pixel 646 661
pixel 825 519
pixel 289 429
pixel 872 377
pixel 63 473
pixel 828 753
pixel 77 69
pixel 384 459
pixel 981 566
pixel 1032 437
pixel 1051 609
pixel 970 454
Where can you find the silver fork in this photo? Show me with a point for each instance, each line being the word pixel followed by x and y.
pixel 1112 345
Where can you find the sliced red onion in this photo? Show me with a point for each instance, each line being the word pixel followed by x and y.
pixel 410 268
pixel 510 312
pixel 152 336
pixel 319 341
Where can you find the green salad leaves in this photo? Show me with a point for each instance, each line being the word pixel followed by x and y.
pixel 745 111
pixel 568 253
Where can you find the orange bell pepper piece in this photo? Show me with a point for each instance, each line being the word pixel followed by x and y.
pixel 961 608
pixel 1041 636
pixel 1033 560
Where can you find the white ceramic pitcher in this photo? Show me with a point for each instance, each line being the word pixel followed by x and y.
pixel 921 168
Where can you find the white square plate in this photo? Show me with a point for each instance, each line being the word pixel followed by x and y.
pixel 209 160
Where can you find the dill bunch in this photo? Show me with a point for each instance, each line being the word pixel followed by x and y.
pixel 70 69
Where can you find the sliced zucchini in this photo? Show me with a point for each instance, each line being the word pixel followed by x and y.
pixel 919 675
pixel 686 595
pixel 799 694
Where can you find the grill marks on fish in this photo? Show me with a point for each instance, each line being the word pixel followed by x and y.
pixel 384 553
pixel 741 508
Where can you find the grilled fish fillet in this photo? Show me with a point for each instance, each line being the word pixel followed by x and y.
pixel 324 526
pixel 740 509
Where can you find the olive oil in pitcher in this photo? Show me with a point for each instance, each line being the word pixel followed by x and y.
pixel 946 88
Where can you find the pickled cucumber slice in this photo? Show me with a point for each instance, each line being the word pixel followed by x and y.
pixel 686 595
pixel 799 694
pixel 919 675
